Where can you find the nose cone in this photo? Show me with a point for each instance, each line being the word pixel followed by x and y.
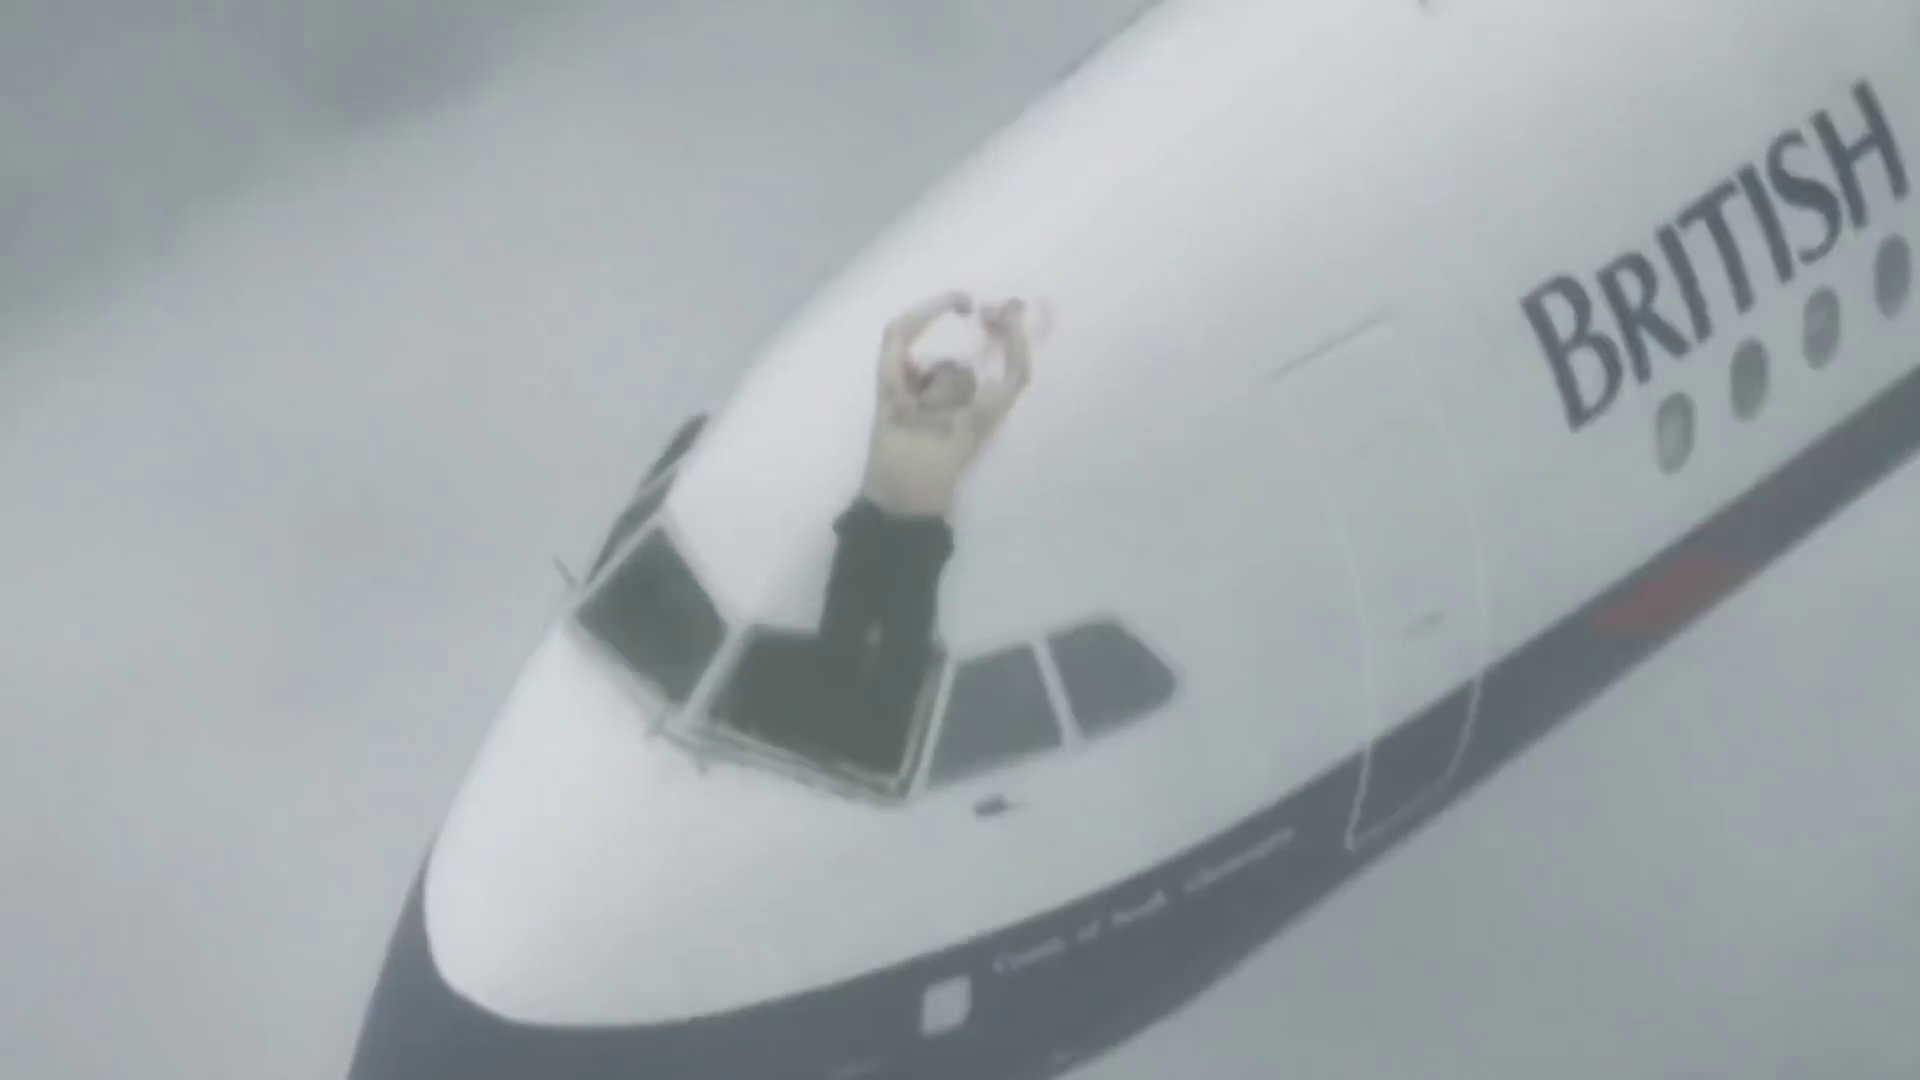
pixel 417 1028
pixel 595 906
pixel 590 873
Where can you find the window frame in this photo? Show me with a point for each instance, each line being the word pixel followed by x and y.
pixel 659 476
pixel 659 709
pixel 1057 694
pixel 936 723
pixel 704 730
pixel 1160 655
pixel 613 555
pixel 706 736
pixel 936 727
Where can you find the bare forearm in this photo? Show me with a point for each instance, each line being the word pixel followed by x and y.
pixel 1019 358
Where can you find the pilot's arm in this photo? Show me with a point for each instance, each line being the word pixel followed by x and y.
pixel 896 364
pixel 1007 324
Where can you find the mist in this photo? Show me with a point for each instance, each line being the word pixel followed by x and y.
pixel 336 365
pixel 326 329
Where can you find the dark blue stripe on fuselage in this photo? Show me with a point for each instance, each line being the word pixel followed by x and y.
pixel 1066 985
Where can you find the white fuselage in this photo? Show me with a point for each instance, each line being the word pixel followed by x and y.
pixel 1386 341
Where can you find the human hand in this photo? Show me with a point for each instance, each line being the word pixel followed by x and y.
pixel 1002 318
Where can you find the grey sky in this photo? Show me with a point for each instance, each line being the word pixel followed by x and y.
pixel 281 497
pixel 322 328
pixel 119 118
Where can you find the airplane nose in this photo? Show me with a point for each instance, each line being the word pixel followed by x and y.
pixel 417 1028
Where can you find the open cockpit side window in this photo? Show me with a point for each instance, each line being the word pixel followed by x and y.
pixel 652 613
pixel 1109 676
pixel 783 701
pixel 784 696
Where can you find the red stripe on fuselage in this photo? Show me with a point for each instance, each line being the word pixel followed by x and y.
pixel 1675 590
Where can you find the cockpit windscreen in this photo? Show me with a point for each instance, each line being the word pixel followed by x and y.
pixel 653 614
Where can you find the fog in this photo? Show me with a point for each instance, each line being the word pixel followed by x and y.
pixel 123 120
pixel 281 501
pixel 327 327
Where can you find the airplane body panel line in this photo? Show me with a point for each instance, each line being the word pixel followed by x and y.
pixel 1067 984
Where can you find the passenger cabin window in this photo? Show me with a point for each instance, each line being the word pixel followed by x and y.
pixel 784 694
pixel 997 711
pixel 1110 677
pixel 654 615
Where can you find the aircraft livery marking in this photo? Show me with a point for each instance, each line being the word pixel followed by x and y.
pixel 1135 909
pixel 1058 1003
pixel 1562 311
pixel 1068 983
pixel 1690 582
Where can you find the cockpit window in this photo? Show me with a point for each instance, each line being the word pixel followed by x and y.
pixel 786 699
pixel 783 694
pixel 651 492
pixel 1110 676
pixel 637 513
pixel 677 446
pixel 652 612
pixel 997 711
